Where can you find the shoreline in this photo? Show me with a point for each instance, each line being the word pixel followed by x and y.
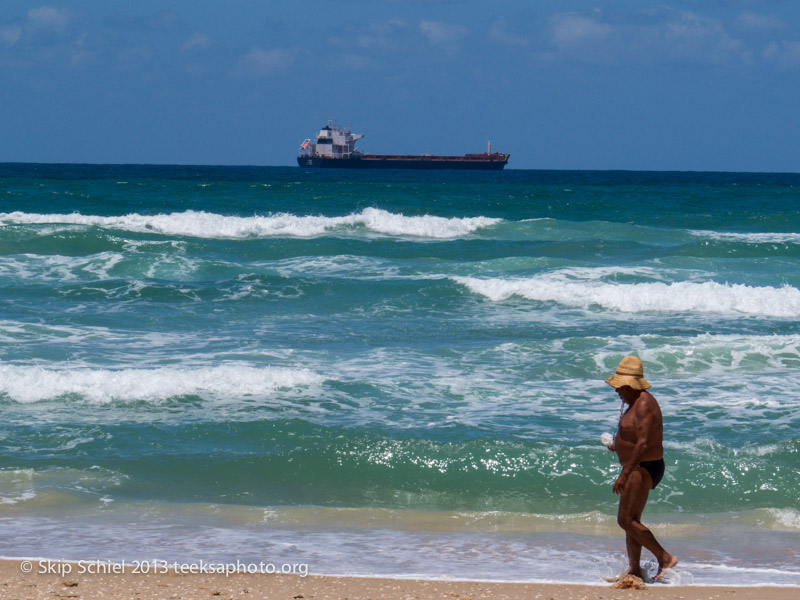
pixel 217 586
pixel 169 568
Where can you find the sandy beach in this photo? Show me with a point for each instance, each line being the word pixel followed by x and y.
pixel 16 585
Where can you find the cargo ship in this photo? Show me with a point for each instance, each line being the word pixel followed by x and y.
pixel 335 148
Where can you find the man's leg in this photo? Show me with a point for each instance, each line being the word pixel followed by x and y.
pixel 631 505
pixel 634 555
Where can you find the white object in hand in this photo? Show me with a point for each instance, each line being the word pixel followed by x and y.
pixel 608 440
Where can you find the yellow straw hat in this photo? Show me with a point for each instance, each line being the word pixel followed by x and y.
pixel 629 372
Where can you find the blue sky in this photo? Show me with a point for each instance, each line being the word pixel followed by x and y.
pixel 701 85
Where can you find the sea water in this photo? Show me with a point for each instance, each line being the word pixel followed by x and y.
pixel 396 373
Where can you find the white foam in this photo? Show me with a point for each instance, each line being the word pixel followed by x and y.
pixel 720 354
pixel 38 268
pixel 230 381
pixel 362 267
pixel 129 530
pixel 569 288
pixel 788 518
pixel 750 238
pixel 210 225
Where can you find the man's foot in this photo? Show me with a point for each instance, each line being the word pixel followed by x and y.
pixel 637 572
pixel 669 563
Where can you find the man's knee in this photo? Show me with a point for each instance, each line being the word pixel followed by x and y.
pixel 625 521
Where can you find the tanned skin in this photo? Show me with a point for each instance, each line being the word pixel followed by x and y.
pixel 639 438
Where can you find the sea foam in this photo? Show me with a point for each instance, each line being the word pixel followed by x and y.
pixel 203 224
pixel 682 296
pixel 27 384
pixel 724 354
pixel 749 238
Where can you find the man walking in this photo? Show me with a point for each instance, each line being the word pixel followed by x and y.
pixel 638 445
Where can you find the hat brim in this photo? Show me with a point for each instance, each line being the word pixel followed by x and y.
pixel 637 383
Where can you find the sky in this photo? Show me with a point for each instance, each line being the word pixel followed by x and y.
pixel 638 84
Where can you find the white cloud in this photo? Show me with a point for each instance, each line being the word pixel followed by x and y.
pixel 689 26
pixel 261 62
pixel 500 33
pixel 786 54
pixel 643 37
pixel 80 52
pixel 759 22
pixel 571 29
pixel 693 37
pixel 382 35
pixel 196 40
pixel 443 33
pixel 48 19
pixel 163 20
pixel 583 38
pixel 10 34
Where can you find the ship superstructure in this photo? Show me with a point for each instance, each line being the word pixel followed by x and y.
pixel 332 142
pixel 335 147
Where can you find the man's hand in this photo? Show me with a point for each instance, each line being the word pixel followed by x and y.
pixel 619 484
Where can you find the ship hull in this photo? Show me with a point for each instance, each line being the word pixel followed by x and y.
pixel 377 161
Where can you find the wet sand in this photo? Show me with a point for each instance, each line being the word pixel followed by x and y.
pixel 14 584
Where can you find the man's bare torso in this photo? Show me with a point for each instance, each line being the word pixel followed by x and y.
pixel 635 423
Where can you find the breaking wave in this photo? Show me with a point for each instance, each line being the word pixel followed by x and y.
pixel 27 384
pixel 681 297
pixel 203 224
pixel 750 238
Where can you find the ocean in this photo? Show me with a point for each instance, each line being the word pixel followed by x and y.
pixel 396 373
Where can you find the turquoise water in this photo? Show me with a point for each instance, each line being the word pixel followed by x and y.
pixel 396 373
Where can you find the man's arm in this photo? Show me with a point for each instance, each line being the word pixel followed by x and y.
pixel 643 423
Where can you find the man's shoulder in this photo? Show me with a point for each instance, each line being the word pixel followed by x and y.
pixel 646 402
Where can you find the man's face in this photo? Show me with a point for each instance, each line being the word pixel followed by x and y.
pixel 627 393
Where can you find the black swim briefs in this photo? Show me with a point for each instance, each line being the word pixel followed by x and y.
pixel 655 468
